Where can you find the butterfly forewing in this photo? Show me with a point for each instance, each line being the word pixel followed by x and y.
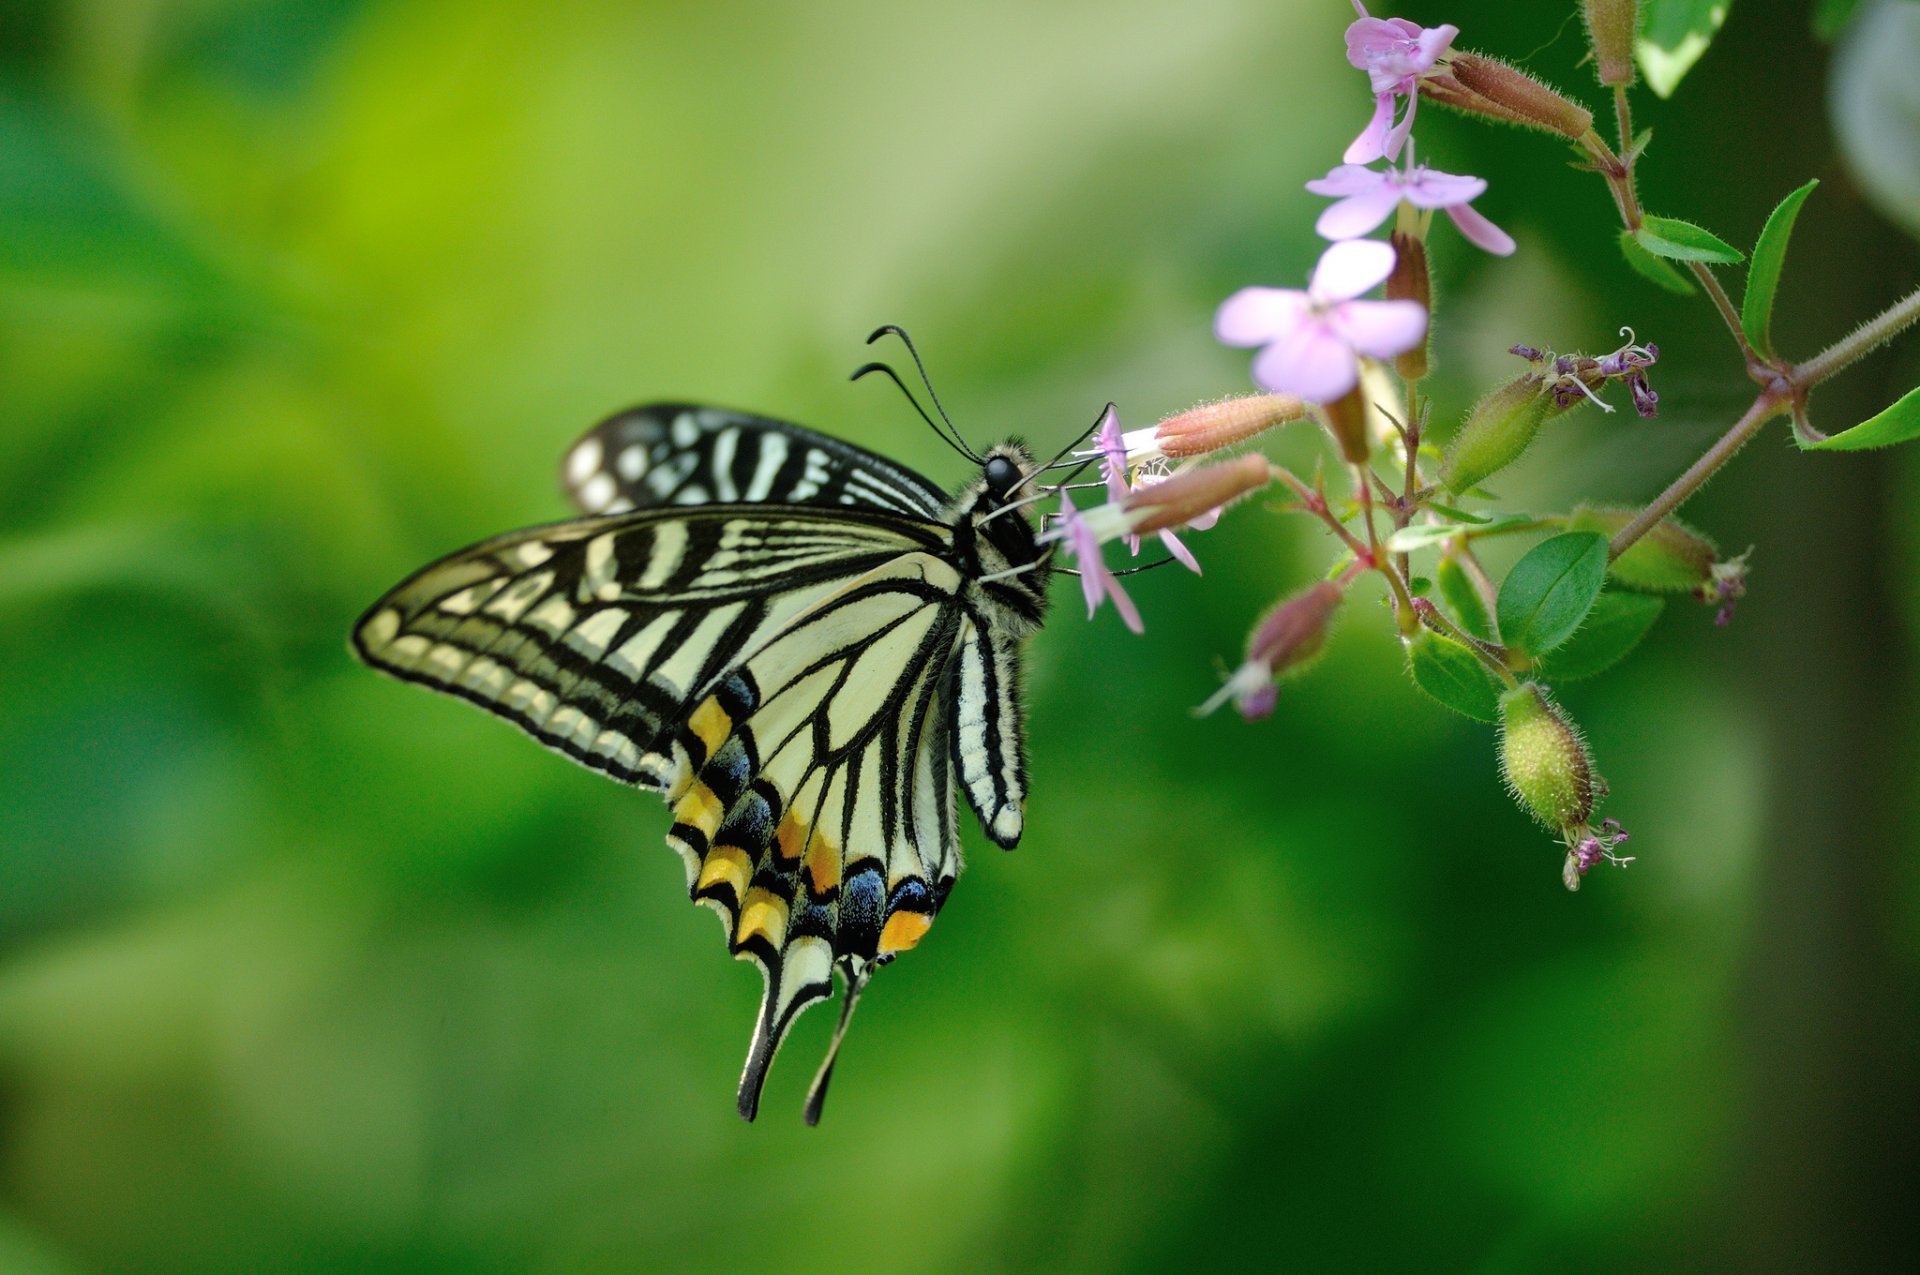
pixel 683 454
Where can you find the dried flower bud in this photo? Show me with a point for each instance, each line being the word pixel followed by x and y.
pixel 1211 426
pixel 1610 29
pixel 1411 281
pixel 1166 506
pixel 1346 419
pixel 1544 760
pixel 1671 558
pixel 1519 96
pixel 1286 639
pixel 1499 429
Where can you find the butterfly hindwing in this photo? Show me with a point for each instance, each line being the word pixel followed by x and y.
pixel 684 454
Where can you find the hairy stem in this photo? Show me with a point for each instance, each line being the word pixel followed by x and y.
pixel 1764 408
pixel 1858 343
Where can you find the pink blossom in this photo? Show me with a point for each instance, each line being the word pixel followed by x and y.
pixel 1113 466
pixel 1395 53
pixel 1367 197
pixel 1313 338
pixel 1096 582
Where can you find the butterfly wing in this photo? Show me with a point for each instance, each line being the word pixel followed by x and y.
pixel 594 636
pixel 685 454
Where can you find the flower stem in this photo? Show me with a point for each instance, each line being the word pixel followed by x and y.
pixel 1764 408
pixel 1433 619
pixel 1724 305
pixel 1857 343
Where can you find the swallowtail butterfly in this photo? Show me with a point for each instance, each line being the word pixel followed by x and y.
pixel 803 646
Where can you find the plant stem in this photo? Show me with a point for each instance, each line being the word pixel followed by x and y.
pixel 1857 343
pixel 1433 619
pixel 1764 408
pixel 1724 305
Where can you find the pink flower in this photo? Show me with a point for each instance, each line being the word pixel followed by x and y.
pixel 1366 198
pixel 1096 582
pixel 1113 466
pixel 1313 338
pixel 1395 53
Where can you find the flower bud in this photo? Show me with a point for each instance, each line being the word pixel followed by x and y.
pixel 1500 427
pixel 1286 639
pixel 1671 558
pixel 1544 761
pixel 1346 419
pixel 1166 506
pixel 1211 426
pixel 1411 281
pixel 1610 28
pixel 1519 96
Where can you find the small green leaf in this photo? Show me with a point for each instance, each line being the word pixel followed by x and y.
pixel 1678 240
pixel 1469 610
pixel 1763 273
pixel 1651 267
pixel 1830 17
pixel 1548 592
pixel 1423 534
pixel 1898 424
pixel 1673 35
pixel 1612 629
pixel 1419 586
pixel 1452 675
pixel 1458 515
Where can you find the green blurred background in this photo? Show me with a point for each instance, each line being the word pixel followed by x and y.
pixel 304 970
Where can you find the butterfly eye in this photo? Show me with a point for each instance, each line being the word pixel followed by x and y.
pixel 1002 475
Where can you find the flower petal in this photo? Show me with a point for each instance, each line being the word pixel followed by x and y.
pixel 1398 134
pixel 1350 268
pixel 1113 454
pixel 1435 43
pixel 1480 232
pixel 1357 215
pixel 1255 316
pixel 1179 552
pixel 1372 142
pixel 1429 189
pixel 1380 329
pixel 1313 362
pixel 1348 179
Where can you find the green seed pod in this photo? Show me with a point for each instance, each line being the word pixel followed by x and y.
pixel 1500 427
pixel 1544 760
pixel 1610 28
pixel 1671 558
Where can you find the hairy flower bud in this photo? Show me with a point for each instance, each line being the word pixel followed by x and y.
pixel 1411 281
pixel 1166 506
pixel 1499 429
pixel 1346 419
pixel 1610 29
pixel 1211 426
pixel 1518 96
pixel 1544 760
pixel 1287 638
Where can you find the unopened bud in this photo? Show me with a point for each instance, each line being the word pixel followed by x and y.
pixel 1165 506
pixel 1211 426
pixel 1500 428
pixel 1519 96
pixel 1411 281
pixel 1670 558
pixel 1286 639
pixel 1610 29
pixel 1346 419
pixel 1544 760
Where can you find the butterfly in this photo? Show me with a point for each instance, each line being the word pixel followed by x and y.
pixel 806 648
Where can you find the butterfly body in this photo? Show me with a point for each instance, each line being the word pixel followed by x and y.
pixel 805 648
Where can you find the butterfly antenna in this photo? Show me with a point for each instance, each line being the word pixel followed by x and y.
pixel 894 329
pixel 817 1091
pixel 931 423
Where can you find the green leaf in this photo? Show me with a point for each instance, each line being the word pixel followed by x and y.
pixel 1898 424
pixel 1830 17
pixel 1423 534
pixel 1612 629
pixel 1452 675
pixel 1456 588
pixel 1651 267
pixel 1548 592
pixel 1763 273
pixel 1458 515
pixel 1673 35
pixel 1678 240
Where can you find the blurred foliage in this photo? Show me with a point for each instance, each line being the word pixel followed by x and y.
pixel 306 971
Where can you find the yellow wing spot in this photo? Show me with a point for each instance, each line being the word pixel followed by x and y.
pixel 764 914
pixel 710 724
pixel 791 838
pixel 823 864
pixel 903 930
pixel 728 865
pixel 699 808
